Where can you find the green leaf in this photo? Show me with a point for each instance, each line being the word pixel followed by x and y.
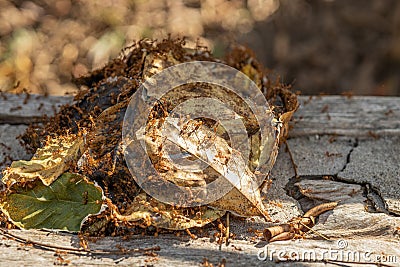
pixel 63 205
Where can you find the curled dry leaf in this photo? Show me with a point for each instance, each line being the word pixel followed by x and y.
pixel 297 226
pixel 153 212
pixel 201 142
pixel 48 163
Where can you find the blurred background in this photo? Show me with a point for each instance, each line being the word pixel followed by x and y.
pixel 318 46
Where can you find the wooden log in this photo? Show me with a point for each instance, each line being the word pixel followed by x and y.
pixel 25 108
pixel 352 140
pixel 358 116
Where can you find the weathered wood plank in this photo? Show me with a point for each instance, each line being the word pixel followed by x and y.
pixel 356 157
pixel 176 251
pixel 358 116
pixel 282 207
pixel 352 201
pixel 377 162
pixel 328 154
pixel 355 116
pixel 10 148
pixel 25 109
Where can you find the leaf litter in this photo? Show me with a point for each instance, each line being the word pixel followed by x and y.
pixel 85 140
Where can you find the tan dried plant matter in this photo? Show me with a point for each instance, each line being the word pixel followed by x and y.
pixel 296 227
pixel 92 128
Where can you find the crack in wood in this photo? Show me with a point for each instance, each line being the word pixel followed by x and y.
pixel 355 144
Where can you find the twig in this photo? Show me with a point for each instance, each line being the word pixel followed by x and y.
pixel 77 251
pixel 315 232
pixel 227 229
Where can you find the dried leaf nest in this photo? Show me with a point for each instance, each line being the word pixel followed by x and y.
pixel 85 138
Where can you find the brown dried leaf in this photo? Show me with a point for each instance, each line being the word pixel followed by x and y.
pixel 48 163
pixel 244 199
pixel 164 216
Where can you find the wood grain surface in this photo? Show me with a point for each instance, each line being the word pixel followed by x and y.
pixel 345 149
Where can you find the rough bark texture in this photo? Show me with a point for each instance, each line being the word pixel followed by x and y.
pixel 345 149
